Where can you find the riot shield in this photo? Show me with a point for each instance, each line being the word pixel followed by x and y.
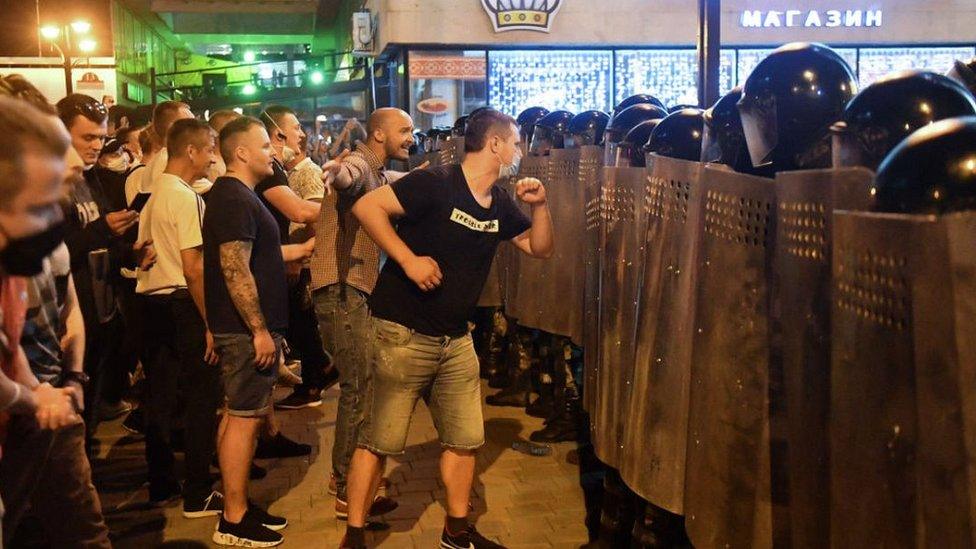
pixel 559 298
pixel 624 191
pixel 491 295
pixel 590 174
pixel 727 499
pixel 902 442
pixel 657 432
pixel 800 353
pixel 527 275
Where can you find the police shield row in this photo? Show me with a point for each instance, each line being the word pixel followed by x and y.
pixel 776 298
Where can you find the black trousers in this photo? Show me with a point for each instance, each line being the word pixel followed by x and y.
pixel 176 372
pixel 104 364
pixel 304 336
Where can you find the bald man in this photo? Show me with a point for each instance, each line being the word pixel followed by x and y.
pixel 345 266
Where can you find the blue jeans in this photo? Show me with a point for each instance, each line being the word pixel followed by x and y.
pixel 408 366
pixel 344 323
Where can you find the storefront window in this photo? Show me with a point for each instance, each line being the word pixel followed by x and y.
pixel 669 75
pixel 877 62
pixel 445 85
pixel 572 80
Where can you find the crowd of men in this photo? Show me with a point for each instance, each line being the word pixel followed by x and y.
pixel 203 254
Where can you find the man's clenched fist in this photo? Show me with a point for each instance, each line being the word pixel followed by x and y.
pixel 530 191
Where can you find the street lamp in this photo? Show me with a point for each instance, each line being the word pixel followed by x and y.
pixel 60 38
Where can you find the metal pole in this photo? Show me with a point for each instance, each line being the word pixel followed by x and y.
pixel 709 51
pixel 67 75
pixel 152 84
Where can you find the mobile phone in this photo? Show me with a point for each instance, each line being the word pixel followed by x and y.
pixel 139 202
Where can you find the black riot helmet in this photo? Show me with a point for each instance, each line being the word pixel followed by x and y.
pixel 640 98
pixel 681 107
pixel 586 128
pixel 679 135
pixel 526 122
pixel 932 171
pixel 723 141
pixel 623 122
pixel 419 142
pixel 459 125
pixel 630 150
pixel 789 103
pixel 550 132
pixel 964 72
pixel 889 110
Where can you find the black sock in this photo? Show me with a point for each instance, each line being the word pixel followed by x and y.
pixel 355 537
pixel 456 525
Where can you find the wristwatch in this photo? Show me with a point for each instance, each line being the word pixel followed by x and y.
pixel 81 378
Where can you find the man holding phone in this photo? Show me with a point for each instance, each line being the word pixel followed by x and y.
pixel 178 344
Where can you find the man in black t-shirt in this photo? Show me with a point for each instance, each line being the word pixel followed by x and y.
pixel 450 222
pixel 246 294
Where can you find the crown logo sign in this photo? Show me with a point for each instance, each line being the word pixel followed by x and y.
pixel 533 15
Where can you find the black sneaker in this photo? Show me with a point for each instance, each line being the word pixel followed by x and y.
pixel 300 398
pixel 265 518
pixel 249 532
pixel 211 506
pixel 469 539
pixel 281 447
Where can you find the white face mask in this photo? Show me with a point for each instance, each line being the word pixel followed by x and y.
pixel 288 154
pixel 506 171
pixel 119 163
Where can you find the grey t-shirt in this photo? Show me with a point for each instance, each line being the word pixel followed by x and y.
pixel 43 329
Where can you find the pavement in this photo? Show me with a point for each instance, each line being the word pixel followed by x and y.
pixel 521 501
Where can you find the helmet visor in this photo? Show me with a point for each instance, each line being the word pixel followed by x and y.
pixel 760 128
pixel 543 140
pixel 711 150
pixel 629 155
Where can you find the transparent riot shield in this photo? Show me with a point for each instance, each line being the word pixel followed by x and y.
pixel 903 368
pixel 800 354
pixel 559 299
pixel 727 497
pixel 590 180
pixel 656 435
pixel 527 274
pixel 624 191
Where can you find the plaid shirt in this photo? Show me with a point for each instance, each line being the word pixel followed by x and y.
pixel 343 250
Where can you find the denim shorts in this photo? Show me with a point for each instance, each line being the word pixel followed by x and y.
pixel 248 389
pixel 407 366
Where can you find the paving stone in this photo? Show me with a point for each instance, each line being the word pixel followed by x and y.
pixel 523 501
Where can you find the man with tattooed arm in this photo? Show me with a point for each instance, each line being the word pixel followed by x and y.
pixel 246 295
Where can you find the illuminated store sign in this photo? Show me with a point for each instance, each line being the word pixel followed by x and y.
pixel 811 18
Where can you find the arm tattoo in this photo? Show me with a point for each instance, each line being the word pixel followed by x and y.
pixel 235 258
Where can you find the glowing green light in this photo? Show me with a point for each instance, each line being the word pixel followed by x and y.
pixel 317 77
pixel 249 56
pixel 249 89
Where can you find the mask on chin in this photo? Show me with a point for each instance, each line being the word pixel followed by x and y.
pixel 506 171
pixel 25 256
pixel 118 164
pixel 288 154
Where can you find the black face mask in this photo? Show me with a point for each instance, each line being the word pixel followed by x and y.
pixel 25 256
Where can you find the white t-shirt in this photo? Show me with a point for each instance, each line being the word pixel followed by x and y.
pixel 172 218
pixel 144 180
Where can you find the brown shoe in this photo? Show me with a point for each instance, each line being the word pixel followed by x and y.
pixel 381 506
